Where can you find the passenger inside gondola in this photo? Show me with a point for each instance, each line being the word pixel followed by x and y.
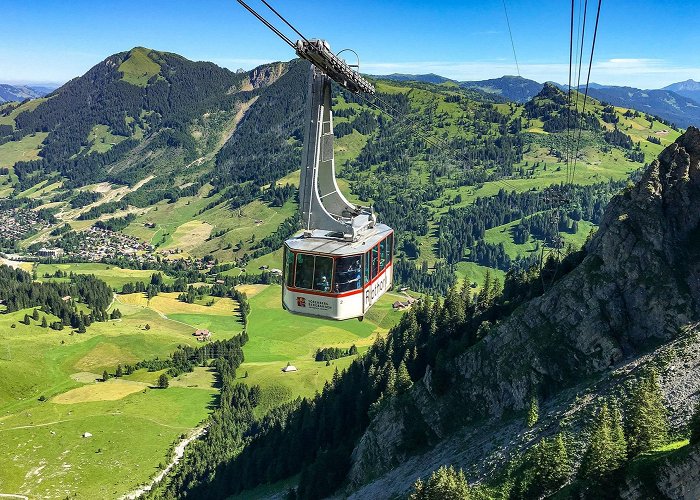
pixel 348 274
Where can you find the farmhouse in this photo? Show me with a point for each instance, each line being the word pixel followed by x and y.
pixel 401 305
pixel 289 368
pixel 202 335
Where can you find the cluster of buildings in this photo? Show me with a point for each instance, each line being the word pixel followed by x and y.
pixel 18 223
pixel 95 244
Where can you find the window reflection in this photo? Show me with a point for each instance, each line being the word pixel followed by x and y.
pixel 304 271
pixel 348 274
pixel 375 262
pixel 289 267
pixel 322 274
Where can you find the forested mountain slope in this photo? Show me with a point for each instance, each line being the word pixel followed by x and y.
pixel 461 177
pixel 637 287
pixel 452 382
pixel 671 106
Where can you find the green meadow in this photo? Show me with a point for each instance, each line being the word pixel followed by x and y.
pixel 278 338
pixel 114 276
pixel 50 393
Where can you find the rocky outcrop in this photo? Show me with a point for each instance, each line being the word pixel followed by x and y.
pixel 677 478
pixel 262 76
pixel 638 286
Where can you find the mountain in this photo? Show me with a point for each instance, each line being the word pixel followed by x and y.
pixel 688 88
pixel 666 104
pixel 633 297
pixel 427 78
pixel 513 88
pixel 22 92
pixel 139 101
pixel 485 382
pixel 678 103
pixel 197 167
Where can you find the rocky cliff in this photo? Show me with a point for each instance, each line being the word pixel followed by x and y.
pixel 635 292
pixel 677 478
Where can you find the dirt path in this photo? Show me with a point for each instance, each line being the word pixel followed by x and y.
pixel 10 495
pixel 177 455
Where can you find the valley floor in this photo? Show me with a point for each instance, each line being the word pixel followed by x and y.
pixel 51 395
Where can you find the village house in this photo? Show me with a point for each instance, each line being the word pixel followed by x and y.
pixel 202 335
pixel 401 305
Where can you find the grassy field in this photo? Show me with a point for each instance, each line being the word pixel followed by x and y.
pixel 181 225
pixel 102 139
pixel 114 276
pixel 278 338
pixel 138 68
pixel 25 149
pixel 50 394
pixel 49 398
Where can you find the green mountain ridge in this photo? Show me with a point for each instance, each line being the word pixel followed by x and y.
pixel 452 383
pixel 191 162
pixel 206 146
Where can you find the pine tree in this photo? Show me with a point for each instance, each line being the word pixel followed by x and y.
pixel 485 292
pixel 533 412
pixel 44 323
pixel 26 320
pixel 695 426
pixel 119 372
pixel 619 442
pixel 105 376
pixel 552 467
pixel 646 416
pixel 606 451
pixel 163 382
pixel 444 484
pixel 390 386
pixel 35 315
pixel 403 379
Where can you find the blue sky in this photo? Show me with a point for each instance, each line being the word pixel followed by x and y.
pixel 641 43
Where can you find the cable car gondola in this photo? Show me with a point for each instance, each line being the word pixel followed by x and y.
pixel 342 262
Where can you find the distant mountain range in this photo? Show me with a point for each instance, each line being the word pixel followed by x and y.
pixel 688 88
pixel 669 105
pixel 678 103
pixel 428 78
pixel 21 92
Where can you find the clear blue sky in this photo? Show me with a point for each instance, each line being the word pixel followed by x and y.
pixel 641 43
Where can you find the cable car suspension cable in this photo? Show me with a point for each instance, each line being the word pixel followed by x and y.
pixel 588 79
pixel 268 24
pixel 284 20
pixel 568 99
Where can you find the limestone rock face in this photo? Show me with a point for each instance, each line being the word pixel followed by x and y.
pixel 638 285
pixel 678 480
pixel 263 76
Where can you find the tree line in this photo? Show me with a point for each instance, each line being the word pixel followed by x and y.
pixel 314 438
pixel 18 290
